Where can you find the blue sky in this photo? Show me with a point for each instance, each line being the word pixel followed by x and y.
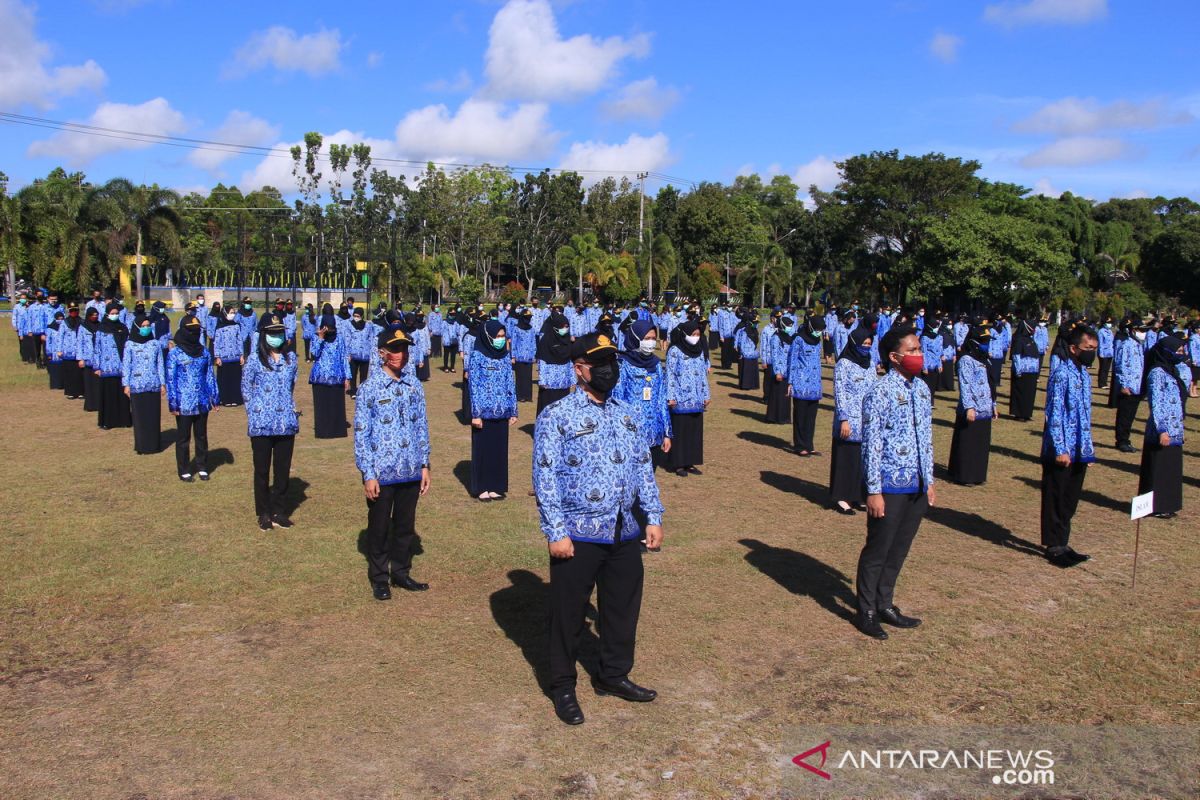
pixel 1099 97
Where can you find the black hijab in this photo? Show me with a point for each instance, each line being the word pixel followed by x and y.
pixel 91 320
pixel 783 335
pixel 246 312
pixel 358 319
pixel 679 338
pixel 114 329
pixel 1023 343
pixel 483 344
pixel 632 354
pixel 976 344
pixel 525 320
pixel 136 336
pixel 1161 356
pixel 813 327
pixel 329 323
pixel 751 327
pixel 162 323
pixel 854 341
pixel 73 322
pixel 187 339
pixel 552 347
pixel 605 325
pixel 223 320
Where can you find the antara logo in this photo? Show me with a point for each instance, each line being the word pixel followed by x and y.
pixel 823 749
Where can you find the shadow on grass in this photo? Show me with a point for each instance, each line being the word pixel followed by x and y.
pixel 765 440
pixel 1087 495
pixel 749 398
pixel 297 493
pixel 981 528
pixel 815 493
pixel 462 471
pixel 218 458
pixel 521 611
pixel 728 384
pixel 801 574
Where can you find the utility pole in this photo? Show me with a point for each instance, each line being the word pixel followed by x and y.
pixel 641 227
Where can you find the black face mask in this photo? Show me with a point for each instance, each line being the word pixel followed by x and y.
pixel 1086 357
pixel 330 336
pixel 604 377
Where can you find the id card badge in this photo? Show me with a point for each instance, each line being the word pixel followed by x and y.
pixel 646 393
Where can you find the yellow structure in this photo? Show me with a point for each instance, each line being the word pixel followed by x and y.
pixel 128 269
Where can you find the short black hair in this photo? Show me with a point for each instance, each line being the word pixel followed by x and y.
pixel 890 342
pixel 1078 333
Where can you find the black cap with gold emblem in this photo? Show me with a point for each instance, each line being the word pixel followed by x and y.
pixel 593 348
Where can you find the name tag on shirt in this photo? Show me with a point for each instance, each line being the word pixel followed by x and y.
pixel 647 392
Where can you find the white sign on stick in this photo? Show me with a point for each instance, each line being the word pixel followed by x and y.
pixel 1143 506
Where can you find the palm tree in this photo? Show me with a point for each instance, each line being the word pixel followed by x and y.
pixel 10 231
pixel 139 213
pixel 583 256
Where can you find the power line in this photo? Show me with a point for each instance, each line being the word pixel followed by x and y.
pixel 275 152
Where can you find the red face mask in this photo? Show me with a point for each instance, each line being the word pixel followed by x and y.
pixel 912 364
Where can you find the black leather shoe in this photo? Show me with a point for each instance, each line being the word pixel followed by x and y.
pixel 1127 448
pixel 683 473
pixel 264 522
pixel 381 591
pixel 624 689
pixel 186 478
pixel 203 475
pixel 280 521
pixel 566 706
pixel 1078 558
pixel 868 623
pixel 847 511
pixel 694 471
pixel 408 584
pixel 1061 559
pixel 893 617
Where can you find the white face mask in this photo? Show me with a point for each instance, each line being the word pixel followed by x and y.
pixel 646 346
pixel 694 339
pixel 1139 335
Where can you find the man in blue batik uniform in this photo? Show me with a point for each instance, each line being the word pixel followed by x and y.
pixel 594 481
pixel 897 451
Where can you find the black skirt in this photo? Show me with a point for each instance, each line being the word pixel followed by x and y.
pixel 749 374
pixel 1162 473
pixel 329 411
pixel 146 410
pixel 54 370
pixel 969 450
pixel 466 400
pixel 547 396
pixel 804 423
pixel 72 378
pixel 932 381
pixel 687 440
pixel 845 471
pixel 946 384
pixel 112 407
pixel 779 404
pixel 1022 395
pixel 727 353
pixel 714 339
pixel 524 376
pixel 91 390
pixel 435 345
pixel 827 347
pixel 229 383
pixel 489 457
pixel 423 371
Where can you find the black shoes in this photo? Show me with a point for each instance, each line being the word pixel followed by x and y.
pixel 1126 447
pixel 1165 515
pixel 847 511
pixel 624 689
pixel 280 521
pixel 381 591
pixel 264 522
pixel 408 584
pixel 694 471
pixel 868 623
pixel 186 478
pixel 683 473
pixel 893 617
pixel 566 706
pixel 1079 558
pixel 202 475
pixel 1065 557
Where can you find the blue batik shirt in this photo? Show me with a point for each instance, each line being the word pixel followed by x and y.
pixel 524 345
pixel 391 430
pixel 931 352
pixel 974 391
pixel 267 392
pixel 840 335
pixel 105 356
pixel 1068 429
pixel 1128 364
pixel 1025 365
pixel 1041 337
pixel 804 369
pixel 68 341
pixel 556 376
pixel 897 446
pixel 191 383
pixel 766 345
pixel 653 416
pixel 746 346
pixel 1105 338
pixel 1166 407
pixel 142 366
pixel 781 354
pixel 53 337
pixel 687 382
pixel 850 386
pixel 308 328
pixel 227 343
pixel 361 343
pixel 493 387
pixel 590 467
pixel 331 363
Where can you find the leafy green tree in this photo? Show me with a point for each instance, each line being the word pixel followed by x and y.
pixel 706 283
pixel 1171 262
pixel 582 257
pixel 134 214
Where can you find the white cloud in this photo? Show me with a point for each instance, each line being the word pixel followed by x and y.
pixel 643 99
pixel 528 59
pixel 154 117
pixel 1046 12
pixel 1077 151
pixel 479 130
pixel 944 47
pixel 1044 188
pixel 821 171
pixel 285 50
pixel 374 59
pixel 637 153
pixel 276 170
pixel 25 77
pixel 457 85
pixel 1073 116
pixel 240 127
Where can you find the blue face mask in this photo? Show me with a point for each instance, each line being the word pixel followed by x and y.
pixel 562 331
pixel 144 330
pixel 863 349
pixel 274 341
pixel 790 330
pixel 498 343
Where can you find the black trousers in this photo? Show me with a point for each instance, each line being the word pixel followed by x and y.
pixel 435 345
pixel 1102 376
pixel 391 528
pixel 25 345
pixel 888 539
pixel 804 421
pixel 358 374
pixel 188 426
pixel 616 572
pixel 449 355
pixel 1127 408
pixel 1061 487
pixel 308 349
pixel 268 450
pixel 994 372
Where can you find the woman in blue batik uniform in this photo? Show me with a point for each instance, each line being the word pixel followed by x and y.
pixel 469 329
pixel 643 384
pixel 112 408
pixel 804 384
pixel 267 385
pixel 1026 364
pixel 227 353
pixel 144 381
pixel 1162 451
pixel 745 341
pixel 972 441
pixel 931 349
pixel 420 351
pixel 524 350
pixel 330 378
pixel 308 330
pixel 1128 370
pixel 191 394
pixel 360 343
pixel 852 377
pixel 687 397
pixel 54 354
pixel 779 406
pixel 493 410
pixel 72 331
pixel 556 374
pixel 87 359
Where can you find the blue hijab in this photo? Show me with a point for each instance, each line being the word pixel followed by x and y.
pixel 632 354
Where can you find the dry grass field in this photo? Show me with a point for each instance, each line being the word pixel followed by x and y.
pixel 157 645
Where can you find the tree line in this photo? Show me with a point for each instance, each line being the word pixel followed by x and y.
pixel 895 229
